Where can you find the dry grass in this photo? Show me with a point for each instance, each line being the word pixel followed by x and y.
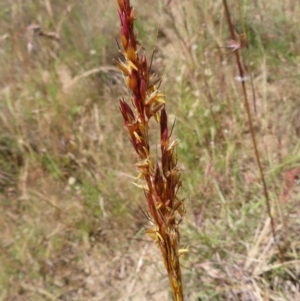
pixel 65 187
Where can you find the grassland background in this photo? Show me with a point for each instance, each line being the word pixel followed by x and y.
pixel 70 218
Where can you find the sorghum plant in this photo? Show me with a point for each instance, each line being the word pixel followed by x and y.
pixel 159 180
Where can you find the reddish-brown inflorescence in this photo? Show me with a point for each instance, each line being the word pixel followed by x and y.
pixel 162 179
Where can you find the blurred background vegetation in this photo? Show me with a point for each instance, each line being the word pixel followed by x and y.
pixel 70 218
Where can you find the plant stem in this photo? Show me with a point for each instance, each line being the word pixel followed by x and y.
pixel 247 107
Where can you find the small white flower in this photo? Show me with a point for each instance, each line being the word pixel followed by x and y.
pixel 71 181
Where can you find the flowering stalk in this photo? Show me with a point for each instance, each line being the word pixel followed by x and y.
pixel 159 180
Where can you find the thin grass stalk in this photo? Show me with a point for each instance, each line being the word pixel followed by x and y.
pixel 160 180
pixel 250 123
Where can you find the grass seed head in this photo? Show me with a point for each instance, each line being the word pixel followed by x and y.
pixel 161 183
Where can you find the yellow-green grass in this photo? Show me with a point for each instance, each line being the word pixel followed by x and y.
pixel 71 227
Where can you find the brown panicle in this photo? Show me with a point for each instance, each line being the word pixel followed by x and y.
pixel 159 180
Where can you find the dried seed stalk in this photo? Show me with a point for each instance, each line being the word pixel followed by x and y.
pixel 250 122
pixel 161 180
